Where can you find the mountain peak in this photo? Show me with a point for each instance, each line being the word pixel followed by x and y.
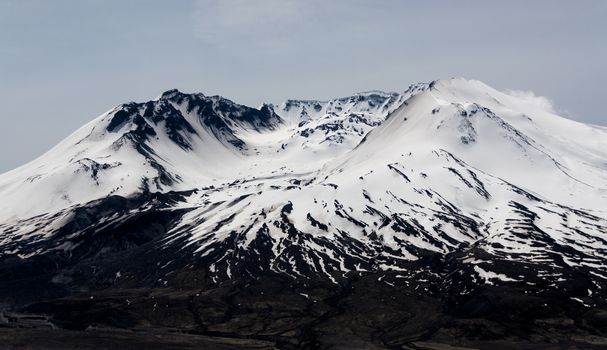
pixel 177 95
pixel 170 93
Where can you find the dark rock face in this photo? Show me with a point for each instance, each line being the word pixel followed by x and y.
pixel 218 115
pixel 120 117
pixel 221 115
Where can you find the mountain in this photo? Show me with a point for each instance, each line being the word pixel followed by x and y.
pixel 448 211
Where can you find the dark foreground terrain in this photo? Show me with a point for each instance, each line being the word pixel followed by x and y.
pixel 275 313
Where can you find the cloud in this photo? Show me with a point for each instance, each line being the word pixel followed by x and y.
pixel 530 97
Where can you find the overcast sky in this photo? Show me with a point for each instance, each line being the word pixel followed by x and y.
pixel 63 63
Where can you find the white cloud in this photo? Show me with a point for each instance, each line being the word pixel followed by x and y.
pixel 530 97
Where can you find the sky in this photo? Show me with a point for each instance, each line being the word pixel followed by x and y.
pixel 62 63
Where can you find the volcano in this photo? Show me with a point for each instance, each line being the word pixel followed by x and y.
pixel 449 214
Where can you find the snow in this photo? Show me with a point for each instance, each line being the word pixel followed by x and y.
pixel 488 276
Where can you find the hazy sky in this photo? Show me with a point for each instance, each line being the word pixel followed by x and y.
pixel 63 63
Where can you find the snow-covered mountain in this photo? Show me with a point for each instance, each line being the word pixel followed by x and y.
pixel 374 182
pixel 450 209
